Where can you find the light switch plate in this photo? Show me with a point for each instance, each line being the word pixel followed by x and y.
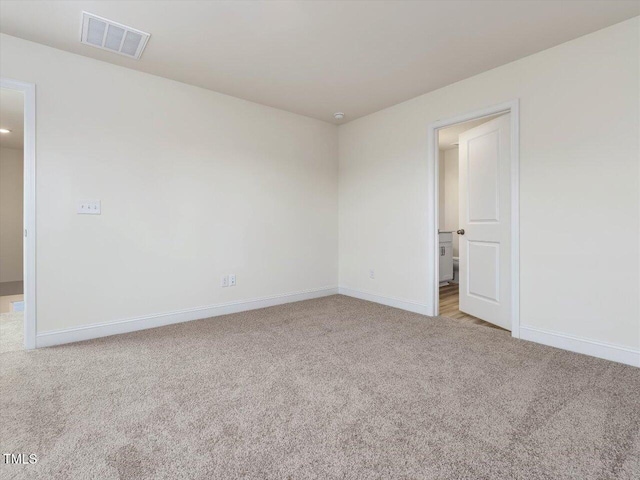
pixel 90 207
pixel 224 281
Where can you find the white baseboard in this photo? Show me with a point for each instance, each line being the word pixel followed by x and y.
pixel 389 301
pixel 563 341
pixel 88 332
pixel 594 348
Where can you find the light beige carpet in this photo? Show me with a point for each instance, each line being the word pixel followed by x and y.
pixel 325 389
pixel 11 332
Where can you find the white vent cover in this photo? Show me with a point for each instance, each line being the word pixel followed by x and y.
pixel 112 36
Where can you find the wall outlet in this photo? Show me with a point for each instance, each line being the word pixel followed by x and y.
pixel 91 207
pixel 224 281
pixel 232 279
pixel 372 274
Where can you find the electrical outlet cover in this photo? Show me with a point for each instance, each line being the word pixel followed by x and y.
pixel 89 207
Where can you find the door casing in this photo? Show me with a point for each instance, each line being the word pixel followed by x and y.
pixel 433 186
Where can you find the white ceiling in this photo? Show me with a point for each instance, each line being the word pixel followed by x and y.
pixel 12 118
pixel 317 58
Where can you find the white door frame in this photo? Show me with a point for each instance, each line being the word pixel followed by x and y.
pixel 29 207
pixel 511 107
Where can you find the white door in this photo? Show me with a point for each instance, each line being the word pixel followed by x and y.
pixel 485 217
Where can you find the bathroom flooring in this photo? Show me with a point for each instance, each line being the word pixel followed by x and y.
pixel 449 301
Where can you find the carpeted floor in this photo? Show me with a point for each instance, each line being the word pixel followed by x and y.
pixel 325 389
pixel 11 332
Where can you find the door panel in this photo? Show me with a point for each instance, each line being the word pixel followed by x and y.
pixel 483 276
pixel 484 214
pixel 483 191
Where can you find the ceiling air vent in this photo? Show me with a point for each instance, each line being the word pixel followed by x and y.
pixel 112 36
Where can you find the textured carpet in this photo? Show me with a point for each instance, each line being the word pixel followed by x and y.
pixel 328 388
pixel 11 332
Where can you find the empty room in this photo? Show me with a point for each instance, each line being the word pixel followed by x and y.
pixel 329 239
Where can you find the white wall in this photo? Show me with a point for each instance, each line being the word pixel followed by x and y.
pixel 450 184
pixel 579 184
pixel 11 191
pixel 194 184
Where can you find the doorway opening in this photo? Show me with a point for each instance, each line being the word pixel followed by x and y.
pixel 17 216
pixel 475 165
pixel 11 223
